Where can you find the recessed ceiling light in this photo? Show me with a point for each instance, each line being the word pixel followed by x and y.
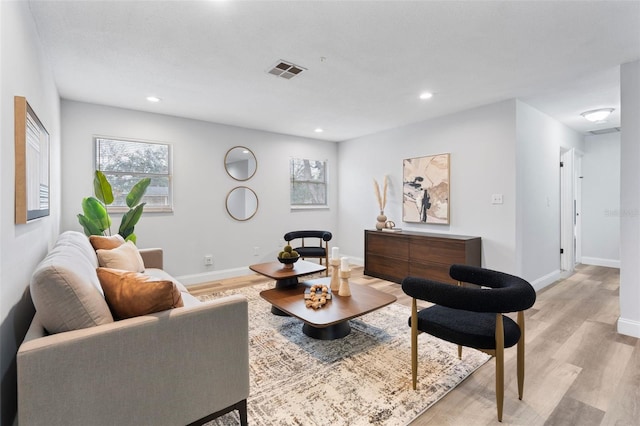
pixel 153 99
pixel 597 115
pixel 318 130
pixel 426 95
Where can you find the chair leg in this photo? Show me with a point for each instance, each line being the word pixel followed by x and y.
pixel 326 261
pixel 414 343
pixel 499 365
pixel 459 351
pixel 521 355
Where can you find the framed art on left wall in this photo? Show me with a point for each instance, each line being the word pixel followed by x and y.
pixel 31 164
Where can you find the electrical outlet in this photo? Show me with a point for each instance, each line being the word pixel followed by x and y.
pixel 256 251
pixel 496 199
pixel 208 260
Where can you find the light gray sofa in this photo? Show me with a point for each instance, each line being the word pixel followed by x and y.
pixel 176 367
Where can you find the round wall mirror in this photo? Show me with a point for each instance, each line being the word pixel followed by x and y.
pixel 240 163
pixel 242 203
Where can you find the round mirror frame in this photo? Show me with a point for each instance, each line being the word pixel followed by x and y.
pixel 232 173
pixel 226 203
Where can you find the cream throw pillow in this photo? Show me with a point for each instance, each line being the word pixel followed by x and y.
pixel 130 294
pixel 125 257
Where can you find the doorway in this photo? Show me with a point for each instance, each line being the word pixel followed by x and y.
pixel 570 209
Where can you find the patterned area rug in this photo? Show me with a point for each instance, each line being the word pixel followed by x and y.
pixel 361 379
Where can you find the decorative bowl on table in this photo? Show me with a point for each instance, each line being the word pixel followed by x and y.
pixel 288 257
pixel 288 261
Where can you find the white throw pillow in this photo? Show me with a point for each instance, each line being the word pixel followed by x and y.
pixel 126 257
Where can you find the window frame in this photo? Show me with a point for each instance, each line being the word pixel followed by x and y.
pixel 324 184
pixel 169 175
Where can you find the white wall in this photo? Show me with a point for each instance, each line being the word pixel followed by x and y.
pixel 507 148
pixel 539 141
pixel 481 142
pixel 199 224
pixel 24 71
pixel 601 200
pixel 629 322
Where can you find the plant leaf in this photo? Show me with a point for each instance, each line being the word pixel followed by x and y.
pixel 126 233
pixel 90 228
pixel 96 212
pixel 137 192
pixel 102 188
pixel 131 237
pixel 129 220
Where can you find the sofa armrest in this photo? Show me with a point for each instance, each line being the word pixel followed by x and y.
pixel 169 368
pixel 152 257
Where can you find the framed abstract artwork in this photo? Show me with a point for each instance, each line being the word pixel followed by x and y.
pixel 31 164
pixel 425 189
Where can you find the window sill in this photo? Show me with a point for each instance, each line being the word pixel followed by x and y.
pixel 123 210
pixel 309 208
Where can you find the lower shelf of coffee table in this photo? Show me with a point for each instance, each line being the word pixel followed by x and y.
pixel 332 320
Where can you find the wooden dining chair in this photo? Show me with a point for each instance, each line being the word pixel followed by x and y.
pixel 313 244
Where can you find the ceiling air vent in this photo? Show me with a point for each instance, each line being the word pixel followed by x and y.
pixel 286 69
pixel 605 131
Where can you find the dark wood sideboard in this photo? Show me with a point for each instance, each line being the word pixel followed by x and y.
pixel 393 256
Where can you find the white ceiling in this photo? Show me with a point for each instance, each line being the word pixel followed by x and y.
pixel 366 61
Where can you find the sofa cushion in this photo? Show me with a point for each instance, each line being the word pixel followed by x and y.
pixel 189 300
pixel 65 288
pixel 101 242
pixel 125 257
pixel 160 274
pixel 131 294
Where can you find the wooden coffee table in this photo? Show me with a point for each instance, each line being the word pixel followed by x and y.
pixel 286 277
pixel 332 320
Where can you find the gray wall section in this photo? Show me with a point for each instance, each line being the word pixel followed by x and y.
pixel 25 72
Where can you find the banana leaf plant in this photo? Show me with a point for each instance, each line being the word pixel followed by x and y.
pixel 95 219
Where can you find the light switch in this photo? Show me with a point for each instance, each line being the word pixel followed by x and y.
pixel 496 199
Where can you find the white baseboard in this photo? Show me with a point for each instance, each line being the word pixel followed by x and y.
pixel 204 277
pixel 358 261
pixel 194 279
pixel 546 280
pixel 596 261
pixel 629 327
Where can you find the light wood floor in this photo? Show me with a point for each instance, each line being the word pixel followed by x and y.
pixel 579 370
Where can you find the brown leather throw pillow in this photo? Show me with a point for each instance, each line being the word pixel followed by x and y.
pixel 100 242
pixel 131 294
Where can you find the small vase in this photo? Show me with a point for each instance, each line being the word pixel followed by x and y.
pixel 335 279
pixel 382 219
pixel 344 289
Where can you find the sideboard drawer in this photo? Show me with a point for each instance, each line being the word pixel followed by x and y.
pixel 431 271
pixel 395 255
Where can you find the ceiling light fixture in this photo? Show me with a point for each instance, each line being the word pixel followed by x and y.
pixel 318 130
pixel 597 115
pixel 426 95
pixel 153 99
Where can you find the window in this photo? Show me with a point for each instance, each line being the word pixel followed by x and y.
pixel 125 162
pixel 308 183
